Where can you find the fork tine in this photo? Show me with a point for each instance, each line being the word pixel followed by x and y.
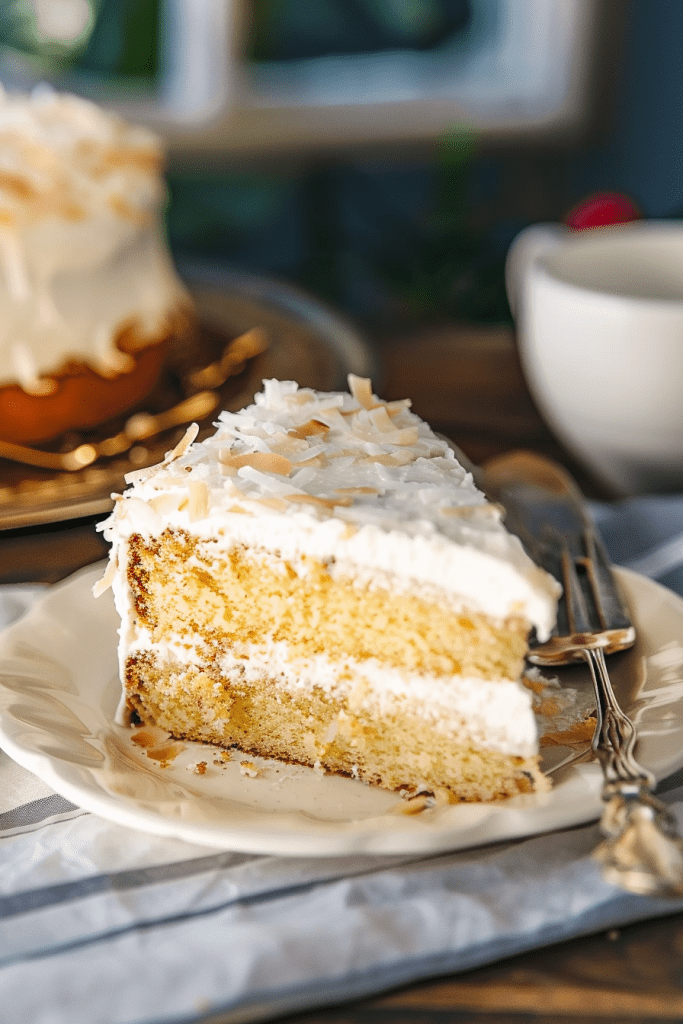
pixel 577 612
pixel 609 602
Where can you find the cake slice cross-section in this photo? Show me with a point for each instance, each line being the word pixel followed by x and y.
pixel 322 582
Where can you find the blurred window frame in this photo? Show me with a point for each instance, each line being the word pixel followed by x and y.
pixel 523 71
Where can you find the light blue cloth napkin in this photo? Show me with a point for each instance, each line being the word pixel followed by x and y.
pixel 104 925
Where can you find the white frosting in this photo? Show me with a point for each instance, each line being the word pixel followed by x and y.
pixel 81 252
pixel 419 519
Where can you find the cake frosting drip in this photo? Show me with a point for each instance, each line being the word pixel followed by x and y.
pixel 361 484
pixel 81 253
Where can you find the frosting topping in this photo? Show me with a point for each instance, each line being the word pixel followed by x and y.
pixel 348 478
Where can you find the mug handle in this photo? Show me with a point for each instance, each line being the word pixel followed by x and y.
pixel 527 245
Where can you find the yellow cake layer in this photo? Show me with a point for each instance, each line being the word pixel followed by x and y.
pixel 184 587
pixel 395 748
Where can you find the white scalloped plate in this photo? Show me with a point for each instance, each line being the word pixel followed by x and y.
pixel 59 690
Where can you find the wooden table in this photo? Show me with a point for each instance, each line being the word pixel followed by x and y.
pixel 468 384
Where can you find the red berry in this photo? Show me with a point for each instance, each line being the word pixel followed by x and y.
pixel 602 209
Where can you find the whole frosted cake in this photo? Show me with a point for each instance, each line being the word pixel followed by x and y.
pixel 321 582
pixel 88 293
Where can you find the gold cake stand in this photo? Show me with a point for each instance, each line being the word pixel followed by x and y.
pixel 249 328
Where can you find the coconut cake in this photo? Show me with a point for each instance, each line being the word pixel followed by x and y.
pixel 320 581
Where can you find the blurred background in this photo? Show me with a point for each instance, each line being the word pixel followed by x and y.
pixel 381 153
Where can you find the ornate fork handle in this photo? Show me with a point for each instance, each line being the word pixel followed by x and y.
pixel 642 851
pixel 615 735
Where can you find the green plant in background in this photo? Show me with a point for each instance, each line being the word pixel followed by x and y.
pixel 440 263
pixel 221 215
pixel 124 41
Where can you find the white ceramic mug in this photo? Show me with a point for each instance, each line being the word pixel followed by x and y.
pixel 600 326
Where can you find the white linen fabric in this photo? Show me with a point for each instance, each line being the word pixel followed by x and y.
pixel 105 925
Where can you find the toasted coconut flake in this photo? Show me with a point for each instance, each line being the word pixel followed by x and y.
pixel 266 462
pixel 333 418
pixel 413 805
pixel 357 490
pixel 309 429
pixel 138 476
pixel 310 452
pixel 404 437
pixel 270 483
pixel 288 445
pixel 443 796
pixel 240 509
pixel 165 503
pixel 166 753
pixel 577 736
pixel 313 499
pixel 108 578
pixel 344 453
pixel 381 420
pixel 361 389
pixel 394 408
pixel 199 500
pixel 278 504
pixel 489 509
pixel 183 444
pixel 127 211
pixel 395 459
pixel 302 397
pixel 403 458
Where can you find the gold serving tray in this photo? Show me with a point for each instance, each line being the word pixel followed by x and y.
pixel 306 342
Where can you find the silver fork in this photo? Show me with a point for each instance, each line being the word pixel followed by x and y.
pixel 642 851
